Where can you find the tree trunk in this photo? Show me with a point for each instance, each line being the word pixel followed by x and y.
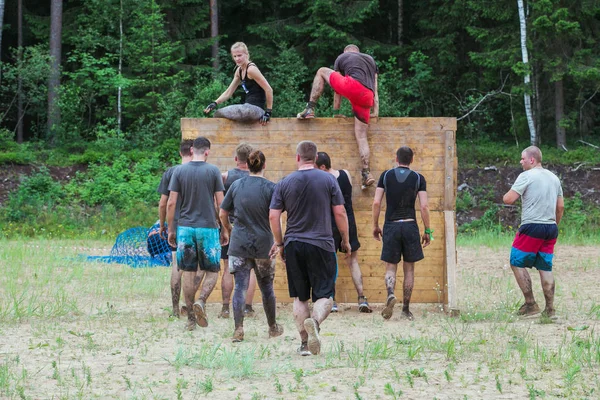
pixel 19 77
pixel 400 21
pixel 538 101
pixel 214 33
pixel 559 111
pixel 120 90
pixel 1 27
pixel 533 138
pixel 55 56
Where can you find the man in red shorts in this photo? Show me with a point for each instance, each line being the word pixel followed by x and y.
pixel 354 76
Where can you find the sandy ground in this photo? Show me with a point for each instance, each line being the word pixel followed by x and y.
pixel 118 345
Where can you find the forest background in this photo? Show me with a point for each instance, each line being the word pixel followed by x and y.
pixel 97 88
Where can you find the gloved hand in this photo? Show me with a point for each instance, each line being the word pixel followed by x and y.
pixel 210 107
pixel 266 117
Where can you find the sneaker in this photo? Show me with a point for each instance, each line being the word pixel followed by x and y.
pixel 363 305
pixel 275 330
pixel 200 313
pixel 184 310
pixel 528 310
pixel 314 341
pixel 249 311
pixel 224 311
pixel 388 310
pixel 238 335
pixel 303 349
pixel 334 307
pixel 309 112
pixel 367 178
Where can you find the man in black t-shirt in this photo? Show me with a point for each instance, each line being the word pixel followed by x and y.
pixel 310 197
pixel 401 237
pixel 163 189
pixel 354 76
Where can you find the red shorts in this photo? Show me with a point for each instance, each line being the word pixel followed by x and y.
pixel 360 97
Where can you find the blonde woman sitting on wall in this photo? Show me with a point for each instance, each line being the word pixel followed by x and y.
pixel 257 89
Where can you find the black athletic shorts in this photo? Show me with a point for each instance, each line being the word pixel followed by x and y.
pixel 401 240
pixel 337 237
pixel 224 250
pixel 310 267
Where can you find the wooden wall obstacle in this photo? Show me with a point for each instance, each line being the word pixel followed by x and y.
pixel 433 141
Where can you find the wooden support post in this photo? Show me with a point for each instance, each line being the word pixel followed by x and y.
pixel 450 247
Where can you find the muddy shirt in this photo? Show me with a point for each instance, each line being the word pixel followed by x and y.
pixel 251 236
pixel 539 190
pixel 401 187
pixel 163 188
pixel 358 66
pixel 197 182
pixel 307 196
pixel 233 175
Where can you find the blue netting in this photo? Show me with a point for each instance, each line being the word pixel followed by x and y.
pixel 138 247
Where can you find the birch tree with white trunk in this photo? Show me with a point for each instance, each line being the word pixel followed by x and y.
pixel 533 138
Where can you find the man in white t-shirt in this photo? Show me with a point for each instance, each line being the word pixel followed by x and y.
pixel 542 210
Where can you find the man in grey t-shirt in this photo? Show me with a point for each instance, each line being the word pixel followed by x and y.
pixel 309 196
pixel 163 189
pixel 542 210
pixel 354 76
pixel 198 185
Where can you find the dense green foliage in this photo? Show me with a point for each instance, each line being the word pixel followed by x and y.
pixel 449 58
pixel 438 58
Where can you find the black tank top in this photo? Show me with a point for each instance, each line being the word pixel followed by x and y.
pixel 232 176
pixel 255 95
pixel 346 188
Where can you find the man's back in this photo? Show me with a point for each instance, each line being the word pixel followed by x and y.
pixel 196 182
pixel 359 66
pixel 401 186
pixel 539 190
pixel 307 196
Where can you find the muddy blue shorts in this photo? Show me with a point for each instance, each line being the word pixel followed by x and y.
pixel 198 247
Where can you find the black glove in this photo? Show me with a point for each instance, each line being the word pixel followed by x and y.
pixel 211 106
pixel 266 116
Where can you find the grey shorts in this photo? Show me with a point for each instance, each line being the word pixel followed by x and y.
pixel 240 112
pixel 263 267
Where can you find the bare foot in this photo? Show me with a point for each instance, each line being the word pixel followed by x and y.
pixel 408 315
pixel 191 324
pixel 275 330
pixel 528 310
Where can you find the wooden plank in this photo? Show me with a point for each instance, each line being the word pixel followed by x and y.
pixel 449 186
pixel 437 124
pixel 450 233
